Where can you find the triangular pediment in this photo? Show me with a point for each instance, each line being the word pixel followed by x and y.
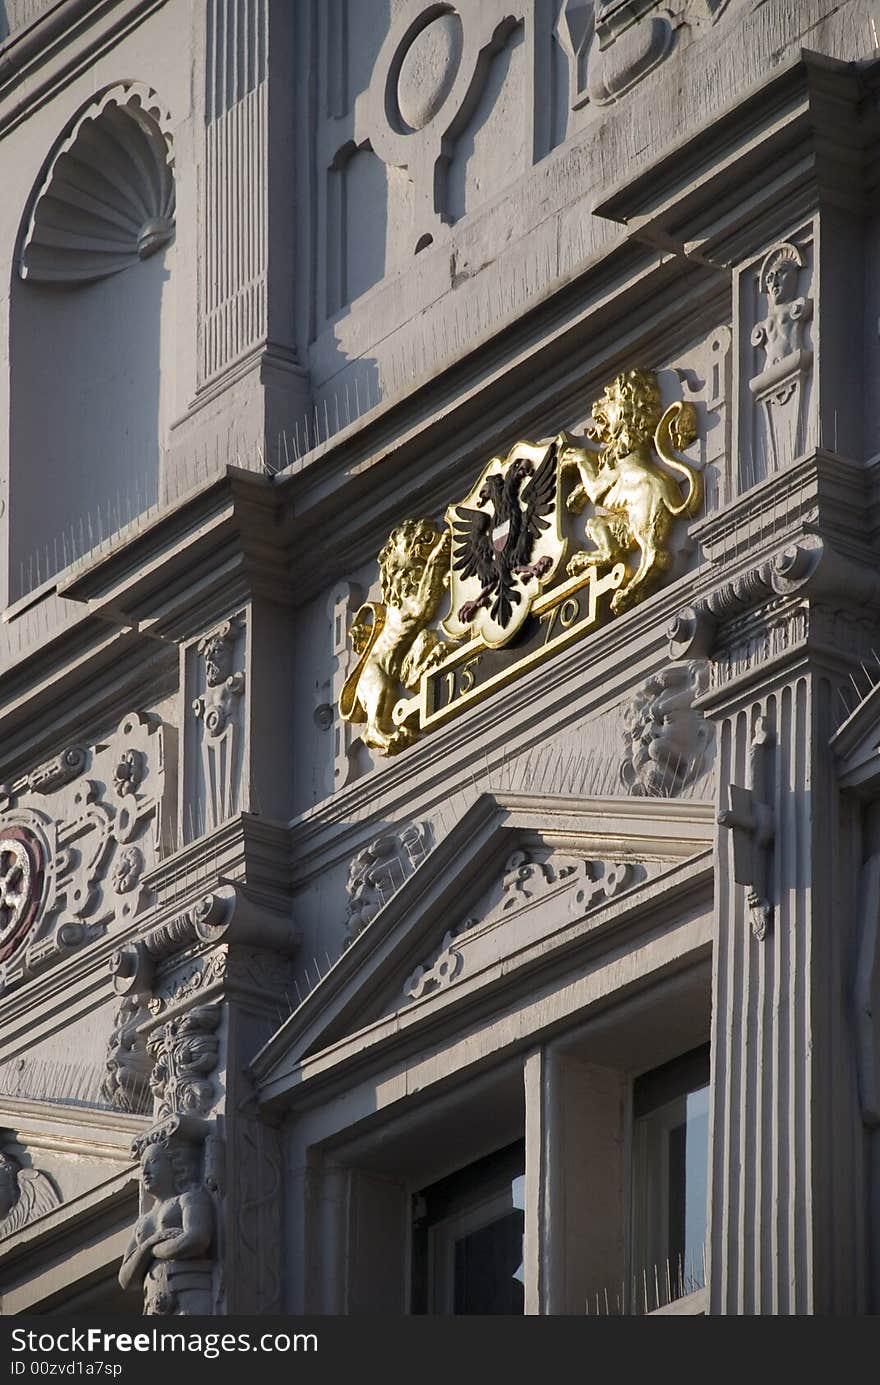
pixel 856 745
pixel 518 877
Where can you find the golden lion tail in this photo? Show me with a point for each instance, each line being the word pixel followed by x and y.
pixel 677 429
pixel 350 708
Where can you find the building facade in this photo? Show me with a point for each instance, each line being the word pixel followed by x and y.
pixel 439 843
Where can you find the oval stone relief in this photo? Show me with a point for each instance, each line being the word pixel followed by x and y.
pixel 428 70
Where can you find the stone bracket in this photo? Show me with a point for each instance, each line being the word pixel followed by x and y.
pixel 750 818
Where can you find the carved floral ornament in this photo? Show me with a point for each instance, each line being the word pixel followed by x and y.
pixel 501 557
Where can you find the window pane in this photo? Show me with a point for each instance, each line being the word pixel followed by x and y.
pixel 670 1167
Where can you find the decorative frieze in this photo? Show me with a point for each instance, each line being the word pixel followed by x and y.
pixel 529 878
pixel 438 970
pixel 610 47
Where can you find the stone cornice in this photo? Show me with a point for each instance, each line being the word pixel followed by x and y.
pixel 804 134
pixel 39 58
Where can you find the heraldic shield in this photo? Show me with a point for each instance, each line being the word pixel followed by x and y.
pixel 507 544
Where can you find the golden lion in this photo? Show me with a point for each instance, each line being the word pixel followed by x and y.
pixel 639 499
pixel 390 636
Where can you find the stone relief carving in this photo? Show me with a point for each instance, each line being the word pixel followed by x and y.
pixel 125 1085
pixel 21 886
pixel 427 80
pixel 440 969
pixel 79 834
pixel 184 1053
pixel 170 1252
pixel 528 877
pixel 127 869
pixel 217 708
pixel 610 47
pixel 61 770
pixel 666 741
pixel 25 1194
pixel 749 817
pixel 779 385
pixel 378 871
pixel 107 197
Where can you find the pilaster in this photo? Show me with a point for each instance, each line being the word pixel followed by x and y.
pixel 788 1184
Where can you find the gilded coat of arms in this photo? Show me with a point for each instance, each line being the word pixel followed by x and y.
pixel 506 544
pixel 498 563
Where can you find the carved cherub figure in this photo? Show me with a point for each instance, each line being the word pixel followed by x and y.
pixel 780 333
pixel 175 1232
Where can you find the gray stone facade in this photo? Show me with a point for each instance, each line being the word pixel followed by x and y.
pixel 325 876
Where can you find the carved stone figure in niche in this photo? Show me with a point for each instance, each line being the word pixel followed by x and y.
pixel 24 1195
pixel 390 636
pixel 638 500
pixel 168 1253
pixel 780 333
pixel 666 740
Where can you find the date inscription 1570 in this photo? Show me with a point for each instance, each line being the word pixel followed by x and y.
pixel 468 675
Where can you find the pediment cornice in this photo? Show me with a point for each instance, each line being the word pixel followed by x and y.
pixel 593 867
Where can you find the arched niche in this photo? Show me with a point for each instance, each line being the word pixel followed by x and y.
pixel 91 334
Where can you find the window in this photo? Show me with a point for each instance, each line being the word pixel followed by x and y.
pixel 467 1238
pixel 669 1181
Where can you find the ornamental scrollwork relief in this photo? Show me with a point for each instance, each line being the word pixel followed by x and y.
pixel 80 833
pixel 529 879
pixel 611 47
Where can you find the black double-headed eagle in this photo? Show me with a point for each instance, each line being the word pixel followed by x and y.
pixel 496 544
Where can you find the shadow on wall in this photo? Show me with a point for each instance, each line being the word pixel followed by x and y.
pixel 85 416
pixel 90 326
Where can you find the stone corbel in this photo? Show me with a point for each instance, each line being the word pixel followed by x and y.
pixel 229 914
pixel 750 818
